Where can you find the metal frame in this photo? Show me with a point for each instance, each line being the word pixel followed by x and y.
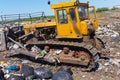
pixel 12 18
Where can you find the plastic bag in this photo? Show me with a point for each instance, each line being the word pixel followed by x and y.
pixel 15 77
pixel 43 73
pixel 66 69
pixel 13 67
pixel 1 75
pixel 27 70
pixel 62 75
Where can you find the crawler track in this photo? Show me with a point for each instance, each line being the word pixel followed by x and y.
pixel 87 48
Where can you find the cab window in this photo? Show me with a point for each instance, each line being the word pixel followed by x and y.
pixel 72 14
pixel 83 12
pixel 62 16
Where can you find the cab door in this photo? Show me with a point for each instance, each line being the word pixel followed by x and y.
pixel 63 27
pixel 75 30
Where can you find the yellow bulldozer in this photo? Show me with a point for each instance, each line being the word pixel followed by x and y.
pixel 72 20
pixel 72 33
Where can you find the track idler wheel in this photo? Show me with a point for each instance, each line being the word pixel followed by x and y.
pixel 82 55
pixel 85 56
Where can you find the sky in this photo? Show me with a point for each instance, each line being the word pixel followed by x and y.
pixel 31 6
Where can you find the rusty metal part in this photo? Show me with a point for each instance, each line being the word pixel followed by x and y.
pixel 102 41
pixel 17 43
pixel 73 61
pixel 27 53
pixel 25 35
pixel 86 52
pixel 74 45
pixel 47 48
pixel 66 50
pixel 97 43
pixel 82 55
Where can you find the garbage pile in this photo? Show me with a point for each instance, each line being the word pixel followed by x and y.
pixel 111 33
pixel 107 69
pixel 110 30
pixel 26 72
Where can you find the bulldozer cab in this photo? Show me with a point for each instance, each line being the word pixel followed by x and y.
pixel 71 19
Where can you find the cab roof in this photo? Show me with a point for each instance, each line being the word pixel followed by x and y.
pixel 66 4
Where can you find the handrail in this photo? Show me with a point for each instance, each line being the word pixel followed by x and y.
pixel 30 17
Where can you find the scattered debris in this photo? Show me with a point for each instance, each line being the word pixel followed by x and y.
pixel 15 77
pixel 15 46
pixel 107 64
pixel 107 70
pixel 83 76
pixel 35 50
pixel 115 62
pixel 100 66
pixel 118 72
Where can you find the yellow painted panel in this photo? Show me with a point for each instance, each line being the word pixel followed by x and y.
pixel 38 25
pixel 48 24
pixel 67 4
pixel 95 23
pixel 31 27
pixel 62 4
pixel 84 28
pixel 63 30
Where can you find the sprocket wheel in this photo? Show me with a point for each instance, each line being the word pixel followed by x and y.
pixel 82 55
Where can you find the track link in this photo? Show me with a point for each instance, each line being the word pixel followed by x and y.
pixel 73 45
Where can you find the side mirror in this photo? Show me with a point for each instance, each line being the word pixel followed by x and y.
pixel 49 2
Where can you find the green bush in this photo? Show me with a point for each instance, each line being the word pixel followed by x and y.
pixel 113 8
pixel 102 9
pixel 50 17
